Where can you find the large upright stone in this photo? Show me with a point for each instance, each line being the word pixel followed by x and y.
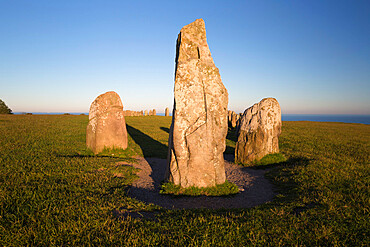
pixel 106 127
pixel 199 120
pixel 259 130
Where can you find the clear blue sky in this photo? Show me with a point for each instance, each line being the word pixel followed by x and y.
pixel 58 56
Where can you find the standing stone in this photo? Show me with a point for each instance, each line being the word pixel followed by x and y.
pixel 240 116
pixel 106 127
pixel 259 130
pixel 233 119
pixel 154 112
pixel 229 115
pixel 199 121
pixel 146 113
pixel 166 112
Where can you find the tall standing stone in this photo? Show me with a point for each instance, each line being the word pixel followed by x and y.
pixel 106 127
pixel 259 130
pixel 166 112
pixel 199 121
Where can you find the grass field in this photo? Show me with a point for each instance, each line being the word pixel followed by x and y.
pixel 53 191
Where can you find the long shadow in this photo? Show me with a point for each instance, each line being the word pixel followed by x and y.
pixel 165 129
pixel 291 162
pixel 155 154
pixel 231 135
pixel 289 186
pixel 149 146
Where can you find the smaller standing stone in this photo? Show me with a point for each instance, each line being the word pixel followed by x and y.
pixel 259 130
pixel 233 119
pixel 229 114
pixel 146 113
pixel 166 112
pixel 107 126
pixel 154 112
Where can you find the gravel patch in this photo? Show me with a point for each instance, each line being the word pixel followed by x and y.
pixel 255 188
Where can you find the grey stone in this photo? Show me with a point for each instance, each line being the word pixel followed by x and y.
pixel 107 126
pixel 199 122
pixel 259 130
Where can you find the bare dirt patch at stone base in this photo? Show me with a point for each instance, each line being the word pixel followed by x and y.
pixel 255 188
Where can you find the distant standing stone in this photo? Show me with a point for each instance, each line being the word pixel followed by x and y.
pixel 154 112
pixel 234 118
pixel 259 130
pixel 229 113
pixel 146 113
pixel 199 122
pixel 166 112
pixel 106 127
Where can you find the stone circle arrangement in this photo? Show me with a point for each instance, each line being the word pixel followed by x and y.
pixel 200 119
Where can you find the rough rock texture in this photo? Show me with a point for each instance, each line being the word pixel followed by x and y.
pixel 234 119
pixel 106 127
pixel 237 127
pixel 166 112
pixel 259 130
pixel 199 123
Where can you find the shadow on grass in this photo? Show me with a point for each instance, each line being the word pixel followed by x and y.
pixel 93 156
pixel 292 161
pixel 282 175
pixel 231 136
pixel 167 130
pixel 149 146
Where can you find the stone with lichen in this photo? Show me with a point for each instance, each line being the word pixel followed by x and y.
pixel 106 127
pixel 199 122
pixel 258 132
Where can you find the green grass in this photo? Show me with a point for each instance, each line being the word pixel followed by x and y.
pixel 267 161
pixel 54 192
pixel 225 189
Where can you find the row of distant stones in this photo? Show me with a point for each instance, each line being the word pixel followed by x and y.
pixel 200 119
pixel 129 113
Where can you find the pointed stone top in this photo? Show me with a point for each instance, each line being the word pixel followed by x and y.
pixel 196 29
pixel 196 23
pixel 192 43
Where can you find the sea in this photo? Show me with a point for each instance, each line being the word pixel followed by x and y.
pixel 362 119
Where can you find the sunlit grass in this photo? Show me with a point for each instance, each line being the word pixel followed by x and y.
pixel 225 189
pixel 54 192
